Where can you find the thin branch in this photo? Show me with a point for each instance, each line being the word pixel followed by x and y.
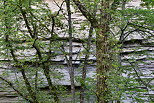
pixel 18 92
pixel 90 17
pixel 140 26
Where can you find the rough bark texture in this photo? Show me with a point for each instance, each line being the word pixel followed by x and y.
pixel 102 66
pixel 102 52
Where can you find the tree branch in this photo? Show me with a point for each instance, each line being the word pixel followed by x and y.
pixel 18 92
pixel 89 16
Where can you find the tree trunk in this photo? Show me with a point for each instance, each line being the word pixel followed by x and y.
pixel 46 70
pixel 101 27
pixel 84 69
pixel 102 53
pixel 52 88
pixel 71 69
pixel 102 66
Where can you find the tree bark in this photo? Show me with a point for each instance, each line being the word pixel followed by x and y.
pixel 27 83
pixel 101 27
pixel 45 66
pixel 71 69
pixel 102 52
pixel 84 69
pixel 102 66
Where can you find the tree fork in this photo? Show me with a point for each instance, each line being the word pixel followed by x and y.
pixel 45 65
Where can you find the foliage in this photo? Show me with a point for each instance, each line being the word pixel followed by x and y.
pixel 148 3
pixel 30 40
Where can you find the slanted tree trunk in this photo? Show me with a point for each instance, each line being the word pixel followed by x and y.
pixel 7 27
pixel 33 33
